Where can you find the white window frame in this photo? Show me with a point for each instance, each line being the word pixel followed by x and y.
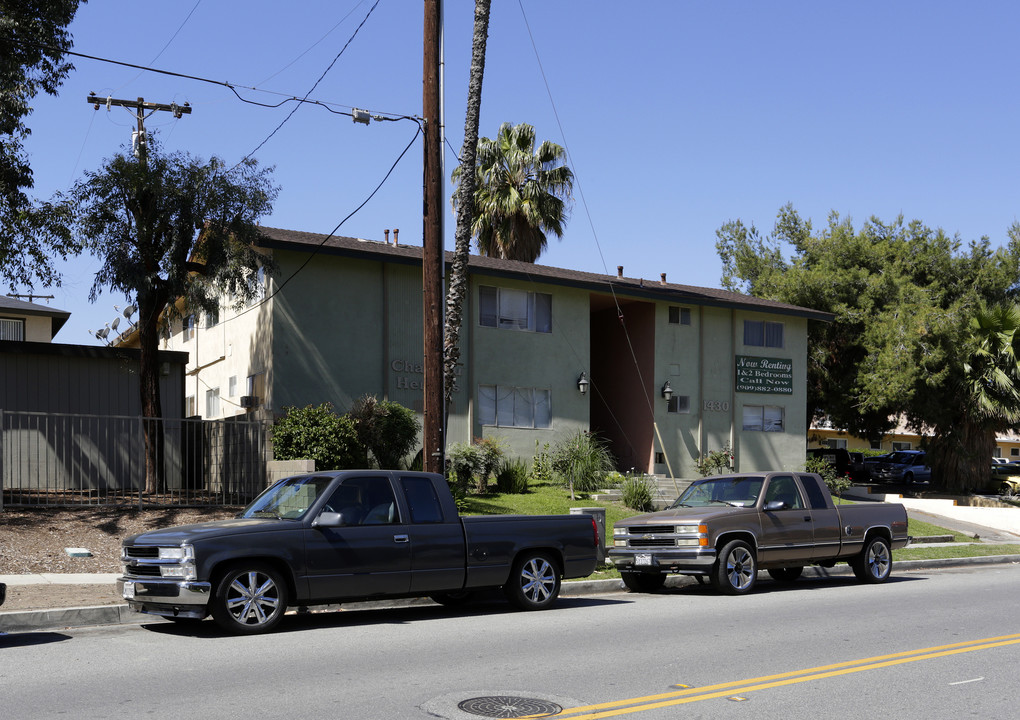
pixel 12 329
pixel 509 406
pixel 836 443
pixel 212 319
pixel 764 418
pixel 190 409
pixel 513 309
pixel 683 315
pixel 232 386
pixel 212 402
pixel 899 445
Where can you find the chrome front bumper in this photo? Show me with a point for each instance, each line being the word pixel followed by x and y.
pixel 178 598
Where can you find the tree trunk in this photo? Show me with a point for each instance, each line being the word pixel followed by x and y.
pixel 960 457
pixel 457 293
pixel 149 308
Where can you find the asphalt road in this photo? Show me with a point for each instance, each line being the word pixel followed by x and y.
pixel 925 645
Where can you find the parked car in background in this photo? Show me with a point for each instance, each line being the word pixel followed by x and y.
pixel 1004 479
pixel 903 466
pixel 999 461
pixel 850 464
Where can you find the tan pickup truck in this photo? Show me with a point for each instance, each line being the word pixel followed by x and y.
pixel 728 527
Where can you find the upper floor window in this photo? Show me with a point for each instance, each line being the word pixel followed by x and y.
pixel 506 406
pixel 514 309
pixel 212 403
pixel 679 404
pixel 762 333
pixel 12 329
pixel 188 327
pixel 212 319
pixel 679 315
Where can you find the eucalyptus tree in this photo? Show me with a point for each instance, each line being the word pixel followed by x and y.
pixel 902 342
pixel 170 227
pixel 33 47
pixel 521 193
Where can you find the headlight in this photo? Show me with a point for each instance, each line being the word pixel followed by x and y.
pixel 180 572
pixel 621 531
pixel 182 553
pixel 686 529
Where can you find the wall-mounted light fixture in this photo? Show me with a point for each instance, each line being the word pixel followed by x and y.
pixel 667 391
pixel 582 383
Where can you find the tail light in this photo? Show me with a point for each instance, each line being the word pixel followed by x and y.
pixel 595 531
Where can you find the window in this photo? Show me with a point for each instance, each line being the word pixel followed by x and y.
pixel 679 315
pixel 260 289
pixel 12 329
pixel 876 445
pixel 897 446
pixel 835 443
pixel 514 309
pixel 1014 452
pixel 506 406
pixel 421 499
pixel 763 418
pixel 189 406
pixel 212 319
pixel 679 404
pixel 188 327
pixel 212 402
pixel 760 333
pixel 365 501
pixel 784 489
pixel 232 386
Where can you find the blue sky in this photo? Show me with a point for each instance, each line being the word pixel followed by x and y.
pixel 677 116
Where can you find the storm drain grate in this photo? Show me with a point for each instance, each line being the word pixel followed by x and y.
pixel 505 706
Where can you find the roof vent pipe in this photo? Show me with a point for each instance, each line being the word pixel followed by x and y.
pixel 619 271
pixel 663 281
pixel 395 232
pixel 387 234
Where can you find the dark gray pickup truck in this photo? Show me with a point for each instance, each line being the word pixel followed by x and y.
pixel 350 535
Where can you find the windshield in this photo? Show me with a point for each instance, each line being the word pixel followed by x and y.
pixel 901 458
pixel 733 491
pixel 288 499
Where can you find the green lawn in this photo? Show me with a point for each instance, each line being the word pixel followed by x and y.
pixel 555 500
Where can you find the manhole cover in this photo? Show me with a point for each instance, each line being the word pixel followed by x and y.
pixel 508 706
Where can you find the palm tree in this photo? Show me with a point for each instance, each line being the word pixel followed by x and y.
pixel 988 399
pixel 521 194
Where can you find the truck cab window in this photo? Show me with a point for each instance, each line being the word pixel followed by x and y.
pixel 422 500
pixel 784 489
pixel 365 501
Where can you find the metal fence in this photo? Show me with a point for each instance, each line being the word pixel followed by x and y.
pixel 61 459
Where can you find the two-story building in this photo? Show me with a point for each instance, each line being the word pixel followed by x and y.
pixel 665 372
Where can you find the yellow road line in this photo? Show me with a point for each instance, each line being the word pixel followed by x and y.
pixel 680 697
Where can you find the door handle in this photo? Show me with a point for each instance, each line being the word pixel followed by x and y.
pixel 807 518
pixel 400 538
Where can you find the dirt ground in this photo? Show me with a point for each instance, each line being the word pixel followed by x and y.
pixel 34 540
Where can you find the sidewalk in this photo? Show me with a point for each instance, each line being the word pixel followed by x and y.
pixel 53 601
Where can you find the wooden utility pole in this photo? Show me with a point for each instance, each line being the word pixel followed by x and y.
pixel 139 106
pixel 432 252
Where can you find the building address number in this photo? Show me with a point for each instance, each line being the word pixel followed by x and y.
pixel 717 406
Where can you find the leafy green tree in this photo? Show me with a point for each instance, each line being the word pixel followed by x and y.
pixel 903 297
pixel 33 45
pixel 170 226
pixel 582 460
pixel 386 429
pixel 521 194
pixel 318 433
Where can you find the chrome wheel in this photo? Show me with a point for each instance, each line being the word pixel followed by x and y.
pixel 250 600
pixel 534 582
pixel 736 569
pixel 874 564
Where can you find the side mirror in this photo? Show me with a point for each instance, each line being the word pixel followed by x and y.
pixel 329 520
pixel 773 505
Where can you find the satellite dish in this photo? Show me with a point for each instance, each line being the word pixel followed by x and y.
pixel 129 311
pixel 115 323
pixel 103 333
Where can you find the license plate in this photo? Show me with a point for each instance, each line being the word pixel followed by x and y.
pixel 643 559
pixel 129 590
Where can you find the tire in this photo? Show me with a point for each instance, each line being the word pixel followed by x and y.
pixel 451 599
pixel 534 582
pixel 643 582
pixel 874 564
pixel 786 574
pixel 736 569
pixel 908 478
pixel 250 599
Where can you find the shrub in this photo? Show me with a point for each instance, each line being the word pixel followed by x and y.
pixel 464 461
pixel 582 460
pixel 490 455
pixel 836 483
pixel 387 429
pixel 716 461
pixel 637 492
pixel 512 476
pixel 541 465
pixel 318 433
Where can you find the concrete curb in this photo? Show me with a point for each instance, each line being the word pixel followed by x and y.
pixel 78 617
